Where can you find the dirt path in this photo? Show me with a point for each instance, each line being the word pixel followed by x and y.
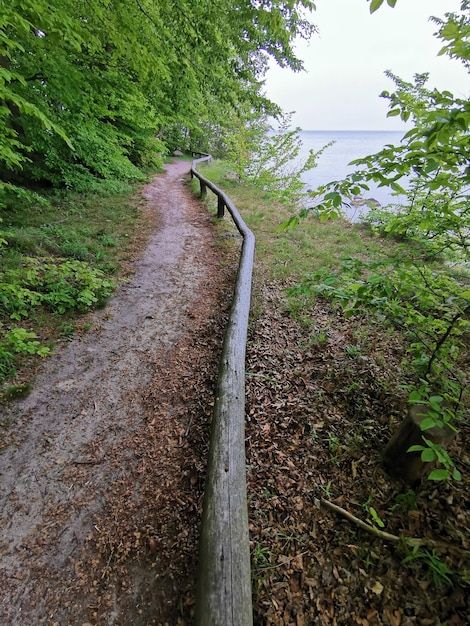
pixel 101 490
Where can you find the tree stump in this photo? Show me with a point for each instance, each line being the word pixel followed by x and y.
pixel 405 465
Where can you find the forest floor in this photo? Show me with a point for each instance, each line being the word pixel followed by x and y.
pixel 324 397
pixel 103 464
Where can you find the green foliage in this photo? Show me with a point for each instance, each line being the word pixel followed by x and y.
pixel 18 24
pixel 18 341
pixel 433 452
pixel 40 290
pixel 375 518
pixel 94 90
pixel 429 306
pixel 424 290
pixel 376 4
pixel 3 241
pixel 432 314
pixel 269 158
pixel 438 413
pixel 25 342
pixel 14 392
pixel 438 573
pixel 58 284
pixel 407 499
pixel 454 32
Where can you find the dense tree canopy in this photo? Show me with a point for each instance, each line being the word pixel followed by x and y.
pixel 98 88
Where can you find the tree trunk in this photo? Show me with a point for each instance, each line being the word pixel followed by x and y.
pixel 405 465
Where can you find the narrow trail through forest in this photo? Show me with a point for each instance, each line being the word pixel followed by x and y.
pixel 103 476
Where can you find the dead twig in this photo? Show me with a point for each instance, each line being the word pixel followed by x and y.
pixel 411 541
pixel 364 525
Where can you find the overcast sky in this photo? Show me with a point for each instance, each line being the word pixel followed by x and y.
pixel 346 61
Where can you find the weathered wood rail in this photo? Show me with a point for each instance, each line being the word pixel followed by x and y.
pixel 223 589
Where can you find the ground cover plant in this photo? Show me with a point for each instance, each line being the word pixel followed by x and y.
pixel 62 254
pixel 325 392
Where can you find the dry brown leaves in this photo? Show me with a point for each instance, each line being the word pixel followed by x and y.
pixel 318 417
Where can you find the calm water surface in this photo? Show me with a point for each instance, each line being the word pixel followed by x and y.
pixel 349 145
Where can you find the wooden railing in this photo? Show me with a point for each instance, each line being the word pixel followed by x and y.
pixel 223 589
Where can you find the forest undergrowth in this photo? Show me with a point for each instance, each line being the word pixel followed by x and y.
pixel 325 392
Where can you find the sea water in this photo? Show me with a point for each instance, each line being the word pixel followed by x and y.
pixel 333 164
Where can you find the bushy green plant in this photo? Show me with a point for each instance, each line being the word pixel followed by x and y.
pixel 269 158
pixel 3 241
pixel 426 303
pixel 18 341
pixel 437 571
pixel 11 194
pixel 424 290
pixel 58 284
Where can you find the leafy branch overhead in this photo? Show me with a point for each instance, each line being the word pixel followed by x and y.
pixel 93 90
pixel 376 4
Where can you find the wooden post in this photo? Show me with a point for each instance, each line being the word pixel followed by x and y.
pixel 405 465
pixel 203 189
pixel 220 207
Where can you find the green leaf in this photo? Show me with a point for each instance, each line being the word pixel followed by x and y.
pixel 428 455
pixel 415 397
pixel 375 517
pixel 375 4
pixel 289 224
pixel 439 474
pixel 429 422
pixel 396 187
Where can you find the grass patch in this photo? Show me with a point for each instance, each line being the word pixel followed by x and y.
pixel 293 255
pixel 61 254
pixel 88 227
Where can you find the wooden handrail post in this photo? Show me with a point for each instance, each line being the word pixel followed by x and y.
pixel 203 189
pixel 220 207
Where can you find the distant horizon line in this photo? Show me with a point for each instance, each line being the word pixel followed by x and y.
pixel 351 130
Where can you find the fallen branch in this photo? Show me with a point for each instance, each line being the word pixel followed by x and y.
pixel 54 223
pixel 411 541
pixel 355 520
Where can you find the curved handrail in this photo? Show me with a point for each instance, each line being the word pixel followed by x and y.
pixel 223 590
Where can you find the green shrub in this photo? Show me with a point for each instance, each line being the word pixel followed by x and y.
pixel 18 341
pixel 60 285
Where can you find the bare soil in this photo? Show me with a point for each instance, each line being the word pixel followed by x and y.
pixel 101 483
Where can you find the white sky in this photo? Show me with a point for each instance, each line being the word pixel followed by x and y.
pixel 346 61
